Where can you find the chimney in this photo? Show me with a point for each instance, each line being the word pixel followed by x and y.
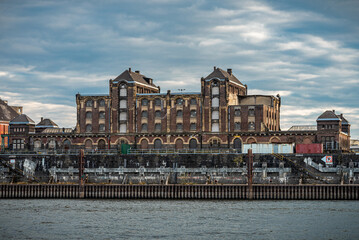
pixel 214 68
pixel 229 70
pixel 341 115
pixel 129 69
pixel 333 111
pixel 137 71
pixel 42 119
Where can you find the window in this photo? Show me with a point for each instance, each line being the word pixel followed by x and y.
pixel 193 127
pixel 237 112
pixel 179 127
pixel 123 116
pixel 144 114
pixel 215 90
pixel 89 103
pixel 193 113
pixel 102 103
pixel 144 102
pixel 251 111
pixel 158 114
pixel 193 101
pixel 158 127
pixel 193 143
pixel 158 102
pixel 144 127
pixel 123 90
pixel 158 144
pixel 123 128
pixel 215 102
pixel 123 103
pixel 88 128
pixel 179 101
pixel 215 127
pixel 251 126
pixel 88 115
pixel 102 115
pixel 102 127
pixel 18 144
pixel 237 126
pixel 215 115
pixel 179 113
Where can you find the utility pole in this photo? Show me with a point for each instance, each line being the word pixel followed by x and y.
pixel 81 174
pixel 250 174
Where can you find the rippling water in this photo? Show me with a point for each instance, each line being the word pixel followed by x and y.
pixel 142 219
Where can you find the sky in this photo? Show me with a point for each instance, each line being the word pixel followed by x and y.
pixel 305 50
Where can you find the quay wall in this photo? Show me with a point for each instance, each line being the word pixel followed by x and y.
pixel 223 192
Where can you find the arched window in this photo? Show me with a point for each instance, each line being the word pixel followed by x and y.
pixel 237 144
pixel 102 115
pixel 158 144
pixel 37 145
pixel 193 143
pixel 237 112
pixel 179 144
pixel 88 128
pixel 215 88
pixel 179 113
pixel 144 144
pixel 144 102
pixel 251 126
pixel 88 144
pixel 123 90
pixel 89 115
pixel 215 143
pixel 158 127
pixel 158 114
pixel 101 127
pixel 251 111
pixel 102 103
pixel 193 113
pixel 179 101
pixel 89 103
pixel 158 102
pixel 193 101
pixel 67 144
pixel 101 144
pixel 144 127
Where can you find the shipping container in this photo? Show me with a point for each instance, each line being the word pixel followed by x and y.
pixel 268 148
pixel 309 148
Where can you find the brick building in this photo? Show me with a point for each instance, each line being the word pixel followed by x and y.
pixel 7 113
pixel 221 115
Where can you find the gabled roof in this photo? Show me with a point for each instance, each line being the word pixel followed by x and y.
pixel 221 74
pixel 344 121
pixel 134 76
pixel 7 113
pixel 46 123
pixel 328 116
pixel 22 119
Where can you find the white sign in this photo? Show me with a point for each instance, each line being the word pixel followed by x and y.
pixel 328 159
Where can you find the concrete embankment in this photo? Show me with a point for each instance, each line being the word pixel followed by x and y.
pixel 244 192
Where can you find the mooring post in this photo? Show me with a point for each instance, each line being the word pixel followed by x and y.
pixel 81 174
pixel 250 174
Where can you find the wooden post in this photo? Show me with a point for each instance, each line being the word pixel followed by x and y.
pixel 250 174
pixel 81 174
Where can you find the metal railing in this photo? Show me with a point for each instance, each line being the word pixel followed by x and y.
pixel 182 151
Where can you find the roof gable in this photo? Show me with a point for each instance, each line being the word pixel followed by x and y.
pixel 134 76
pixel 47 123
pixel 7 113
pixel 221 74
pixel 328 115
pixel 22 119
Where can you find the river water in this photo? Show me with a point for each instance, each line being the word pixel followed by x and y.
pixel 158 219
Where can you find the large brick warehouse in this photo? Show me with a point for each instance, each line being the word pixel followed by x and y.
pixel 221 115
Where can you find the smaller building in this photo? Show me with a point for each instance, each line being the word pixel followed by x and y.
pixel 7 113
pixel 20 129
pixel 44 124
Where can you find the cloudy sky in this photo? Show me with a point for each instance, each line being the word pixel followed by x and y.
pixel 305 50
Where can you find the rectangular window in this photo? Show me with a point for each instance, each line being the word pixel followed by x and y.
pixel 251 111
pixel 237 126
pixel 193 127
